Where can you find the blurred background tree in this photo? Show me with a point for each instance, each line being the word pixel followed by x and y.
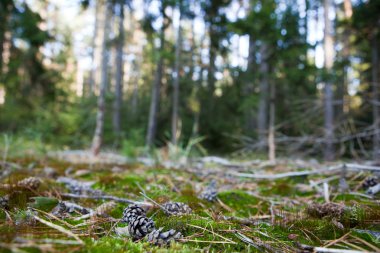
pixel 251 76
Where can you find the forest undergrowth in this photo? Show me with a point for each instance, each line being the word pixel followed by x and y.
pixel 48 205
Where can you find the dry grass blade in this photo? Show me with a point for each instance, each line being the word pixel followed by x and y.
pixel 366 243
pixel 216 242
pixel 229 209
pixel 59 228
pixel 337 240
pixel 246 240
pixel 54 217
pixel 205 229
pixel 12 248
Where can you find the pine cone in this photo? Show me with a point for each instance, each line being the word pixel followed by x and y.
pixel 369 182
pixel 157 237
pixel 176 208
pixel 131 212
pixel 30 182
pixel 64 208
pixel 4 202
pixel 210 193
pixel 105 208
pixel 140 227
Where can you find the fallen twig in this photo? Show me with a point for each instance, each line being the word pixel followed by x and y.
pixel 350 167
pixel 326 250
pixel 106 197
pixel 374 189
pixel 287 174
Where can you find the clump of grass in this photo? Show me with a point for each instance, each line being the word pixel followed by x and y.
pixel 320 229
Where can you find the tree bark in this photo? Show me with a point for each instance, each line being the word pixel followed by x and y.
pixel 376 97
pixel 91 79
pixel 271 135
pixel 328 92
pixel 344 109
pixel 264 85
pixel 98 135
pixel 5 36
pixel 177 66
pixel 248 87
pixel 119 74
pixel 155 98
pixel 212 57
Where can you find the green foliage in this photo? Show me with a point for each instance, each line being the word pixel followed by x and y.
pixel 133 145
pixel 44 203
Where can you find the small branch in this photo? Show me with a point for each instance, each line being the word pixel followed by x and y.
pixel 326 250
pixel 106 197
pixel 287 174
pixel 330 250
pixel 374 189
pixel 356 167
pixel 351 167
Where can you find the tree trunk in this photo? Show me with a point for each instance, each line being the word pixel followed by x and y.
pixel 5 35
pixel 211 71
pixel 135 92
pixel 271 135
pixel 344 97
pixel 91 78
pixel 155 98
pixel 263 101
pixel 376 97
pixel 96 53
pixel 329 95
pixel 98 135
pixel 248 87
pixel 119 74
pixel 176 82
pixel 212 57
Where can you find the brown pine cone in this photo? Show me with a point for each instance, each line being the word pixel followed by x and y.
pixel 369 182
pixel 30 182
pixel 157 237
pixel 140 227
pixel 210 193
pixel 176 208
pixel 4 202
pixel 131 212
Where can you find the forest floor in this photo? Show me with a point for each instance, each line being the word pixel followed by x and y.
pixel 304 213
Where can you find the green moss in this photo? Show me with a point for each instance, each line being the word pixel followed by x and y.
pixel 240 201
pixel 323 229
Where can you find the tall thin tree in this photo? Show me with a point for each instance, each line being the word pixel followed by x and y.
pixel 328 90
pixel 177 78
pixel 262 116
pixel 155 98
pixel 98 135
pixel 376 95
pixel 119 72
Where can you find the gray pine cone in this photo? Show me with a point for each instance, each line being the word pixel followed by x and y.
pixel 176 208
pixel 369 182
pixel 4 202
pixel 157 237
pixel 64 208
pixel 131 212
pixel 105 208
pixel 210 193
pixel 140 227
pixel 30 182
